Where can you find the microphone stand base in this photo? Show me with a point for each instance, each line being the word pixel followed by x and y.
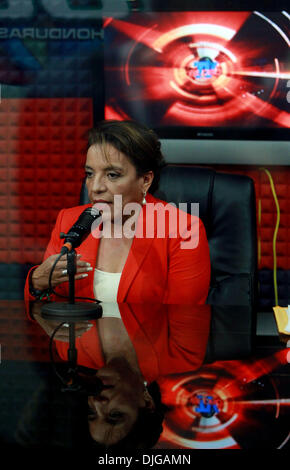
pixel 71 312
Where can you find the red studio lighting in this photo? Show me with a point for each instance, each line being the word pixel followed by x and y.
pixel 199 69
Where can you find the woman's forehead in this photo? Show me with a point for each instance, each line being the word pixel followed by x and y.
pixel 106 154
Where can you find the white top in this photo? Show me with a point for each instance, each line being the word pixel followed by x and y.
pixel 105 289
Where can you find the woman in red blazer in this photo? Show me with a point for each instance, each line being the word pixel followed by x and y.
pixel 159 259
pixel 142 258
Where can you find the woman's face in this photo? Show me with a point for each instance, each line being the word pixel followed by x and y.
pixel 110 174
pixel 113 412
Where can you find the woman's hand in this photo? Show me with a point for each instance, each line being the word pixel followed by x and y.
pixel 63 333
pixel 40 275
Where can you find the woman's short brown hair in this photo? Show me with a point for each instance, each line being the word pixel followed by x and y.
pixel 139 143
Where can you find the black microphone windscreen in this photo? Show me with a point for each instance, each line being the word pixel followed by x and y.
pixel 82 227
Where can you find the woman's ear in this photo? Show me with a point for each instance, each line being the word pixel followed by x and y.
pixel 147 180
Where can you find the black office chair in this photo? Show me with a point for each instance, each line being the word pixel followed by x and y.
pixel 228 210
pixel 227 207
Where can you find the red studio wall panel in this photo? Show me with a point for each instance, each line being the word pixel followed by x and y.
pixel 42 153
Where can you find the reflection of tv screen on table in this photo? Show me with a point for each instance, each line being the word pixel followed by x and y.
pixel 200 75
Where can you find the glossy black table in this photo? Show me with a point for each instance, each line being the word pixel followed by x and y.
pixel 216 385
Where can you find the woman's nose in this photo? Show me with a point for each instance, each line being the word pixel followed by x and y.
pixel 100 399
pixel 98 185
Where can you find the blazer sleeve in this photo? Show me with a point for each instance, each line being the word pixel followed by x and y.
pixel 188 266
pixel 53 247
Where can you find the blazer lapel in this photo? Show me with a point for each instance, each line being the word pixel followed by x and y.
pixel 137 254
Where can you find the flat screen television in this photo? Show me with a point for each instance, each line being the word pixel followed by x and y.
pixel 201 77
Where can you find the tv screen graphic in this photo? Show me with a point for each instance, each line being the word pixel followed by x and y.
pixel 200 74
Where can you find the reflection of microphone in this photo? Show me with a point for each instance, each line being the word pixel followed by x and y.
pixel 80 230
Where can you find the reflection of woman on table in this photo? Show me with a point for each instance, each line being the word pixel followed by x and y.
pixel 124 409
pixel 151 341
pixel 124 159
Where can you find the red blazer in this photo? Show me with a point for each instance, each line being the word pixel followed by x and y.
pixel 167 339
pixel 156 270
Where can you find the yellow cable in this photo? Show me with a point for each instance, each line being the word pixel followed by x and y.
pixel 259 235
pixel 275 234
pixel 259 238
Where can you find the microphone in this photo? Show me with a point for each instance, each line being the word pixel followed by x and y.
pixel 80 230
pixel 72 312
